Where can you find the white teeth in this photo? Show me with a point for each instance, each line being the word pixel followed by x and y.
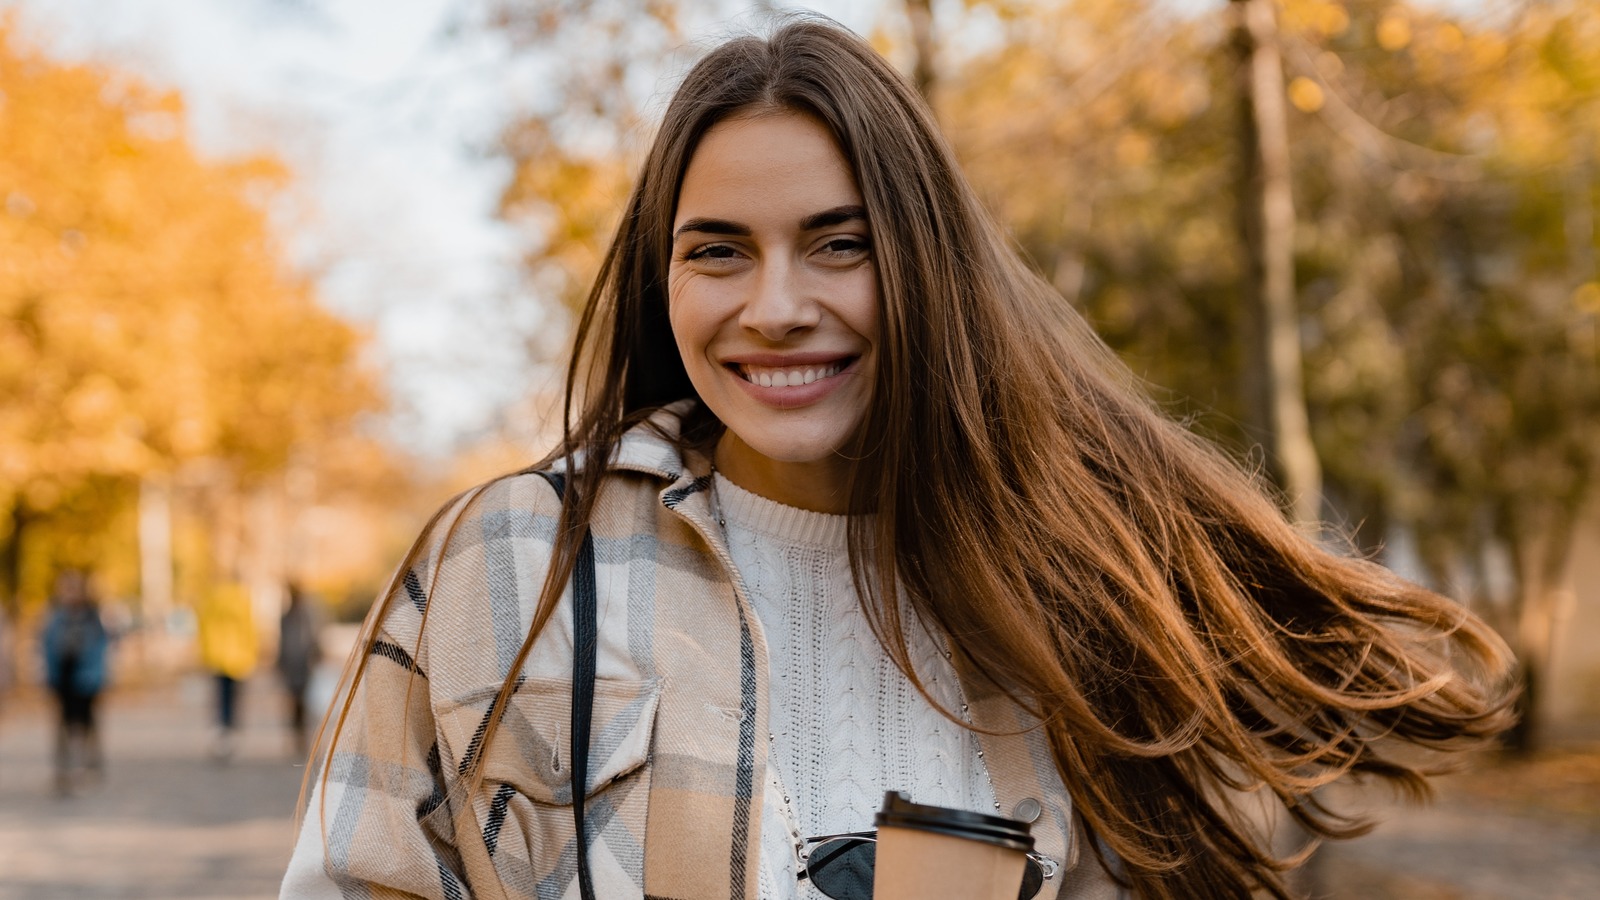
pixel 789 377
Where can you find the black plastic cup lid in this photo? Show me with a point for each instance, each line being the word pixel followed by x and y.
pixel 899 812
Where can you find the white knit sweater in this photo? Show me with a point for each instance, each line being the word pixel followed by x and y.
pixel 846 724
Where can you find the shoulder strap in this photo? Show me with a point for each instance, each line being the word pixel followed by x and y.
pixel 585 639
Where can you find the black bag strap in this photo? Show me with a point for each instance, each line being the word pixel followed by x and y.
pixel 585 639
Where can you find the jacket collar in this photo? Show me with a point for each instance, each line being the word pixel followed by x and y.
pixel 651 447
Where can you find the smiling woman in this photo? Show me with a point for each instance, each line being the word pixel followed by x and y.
pixel 851 502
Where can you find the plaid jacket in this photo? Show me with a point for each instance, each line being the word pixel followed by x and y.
pixel 678 749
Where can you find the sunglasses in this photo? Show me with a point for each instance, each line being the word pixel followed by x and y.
pixel 842 865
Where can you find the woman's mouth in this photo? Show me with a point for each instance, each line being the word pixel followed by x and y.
pixel 791 376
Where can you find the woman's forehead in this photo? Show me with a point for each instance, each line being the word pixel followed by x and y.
pixel 757 165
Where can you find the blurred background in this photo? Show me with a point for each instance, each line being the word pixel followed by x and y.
pixel 277 277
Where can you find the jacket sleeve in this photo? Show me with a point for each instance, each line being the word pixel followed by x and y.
pixel 380 820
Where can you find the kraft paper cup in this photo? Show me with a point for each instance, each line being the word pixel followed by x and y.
pixel 937 853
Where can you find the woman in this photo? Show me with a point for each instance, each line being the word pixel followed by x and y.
pixel 871 509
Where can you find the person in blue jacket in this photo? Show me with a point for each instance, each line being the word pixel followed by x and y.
pixel 76 646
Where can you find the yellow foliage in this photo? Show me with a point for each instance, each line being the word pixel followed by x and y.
pixel 1487 49
pixel 1587 298
pixel 149 320
pixel 146 313
pixel 1449 38
pixel 1394 31
pixel 572 202
pixel 1133 150
pixel 1305 94
pixel 1325 18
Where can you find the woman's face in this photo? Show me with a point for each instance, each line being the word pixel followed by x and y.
pixel 774 303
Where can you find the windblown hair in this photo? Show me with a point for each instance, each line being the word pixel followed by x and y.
pixel 1122 580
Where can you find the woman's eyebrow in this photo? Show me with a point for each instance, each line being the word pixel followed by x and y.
pixel 712 226
pixel 830 217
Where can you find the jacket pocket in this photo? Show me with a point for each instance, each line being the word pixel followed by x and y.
pixel 524 807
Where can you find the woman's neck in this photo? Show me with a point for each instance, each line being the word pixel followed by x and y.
pixel 814 485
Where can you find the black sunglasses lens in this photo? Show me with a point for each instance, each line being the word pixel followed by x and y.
pixel 1032 881
pixel 842 868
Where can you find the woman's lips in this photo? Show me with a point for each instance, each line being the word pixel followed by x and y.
pixel 793 382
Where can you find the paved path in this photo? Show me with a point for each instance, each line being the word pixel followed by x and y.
pixel 1464 848
pixel 167 821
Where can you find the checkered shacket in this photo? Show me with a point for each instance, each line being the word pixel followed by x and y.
pixel 678 748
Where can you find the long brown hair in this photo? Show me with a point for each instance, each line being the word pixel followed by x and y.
pixel 1123 581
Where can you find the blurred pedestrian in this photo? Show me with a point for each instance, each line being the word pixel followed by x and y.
pixel 228 649
pixel 298 655
pixel 75 649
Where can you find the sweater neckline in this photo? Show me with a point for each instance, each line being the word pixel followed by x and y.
pixel 786 524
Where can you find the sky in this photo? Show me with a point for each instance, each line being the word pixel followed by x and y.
pixel 386 116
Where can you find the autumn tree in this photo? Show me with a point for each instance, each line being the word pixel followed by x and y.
pixel 1451 256
pixel 1444 258
pixel 149 319
pixel 1101 132
pixel 574 143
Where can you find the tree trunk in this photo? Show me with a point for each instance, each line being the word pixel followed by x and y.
pixel 1538 555
pixel 1579 217
pixel 1542 605
pixel 1581 260
pixel 1523 738
pixel 923 71
pixel 1273 381
pixel 155 551
pixel 11 589
pixel 11 560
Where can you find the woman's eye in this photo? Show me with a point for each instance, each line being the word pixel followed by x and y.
pixel 711 251
pixel 845 247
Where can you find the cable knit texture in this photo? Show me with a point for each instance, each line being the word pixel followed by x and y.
pixel 846 724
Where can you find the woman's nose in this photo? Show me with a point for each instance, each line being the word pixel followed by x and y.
pixel 779 303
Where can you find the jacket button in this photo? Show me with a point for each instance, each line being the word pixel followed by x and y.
pixel 1027 810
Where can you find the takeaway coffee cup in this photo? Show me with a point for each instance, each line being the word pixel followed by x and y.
pixel 936 853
